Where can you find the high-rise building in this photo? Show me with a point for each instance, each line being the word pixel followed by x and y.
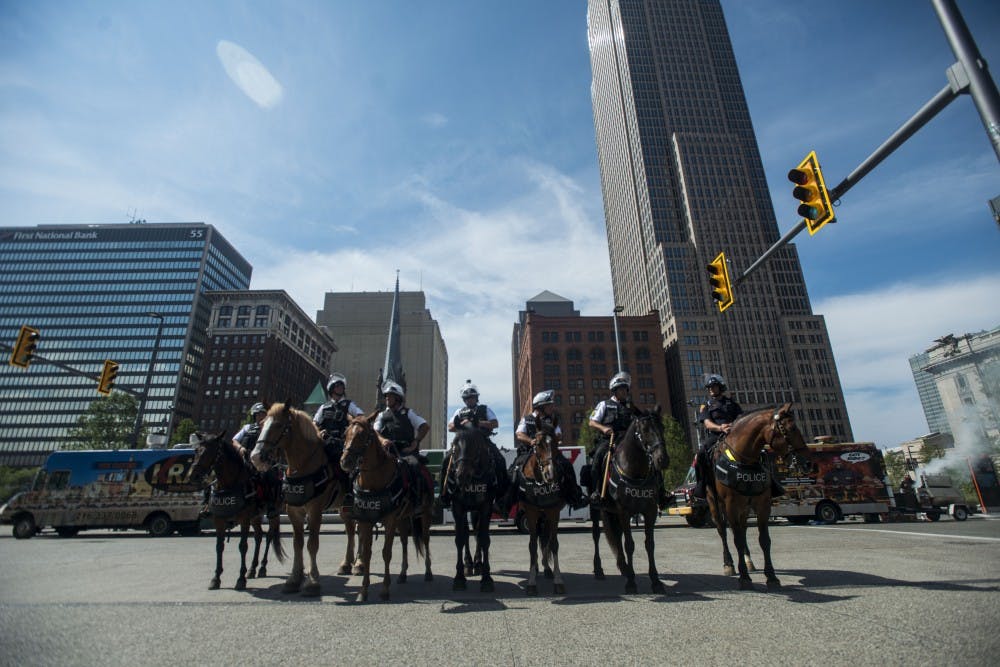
pixel 261 347
pixel 121 292
pixel 930 398
pixel 359 322
pixel 682 180
pixel 554 347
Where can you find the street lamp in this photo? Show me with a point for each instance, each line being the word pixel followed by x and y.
pixel 149 379
pixel 618 347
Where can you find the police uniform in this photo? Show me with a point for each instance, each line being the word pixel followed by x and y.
pixel 609 412
pixel 247 437
pixel 332 417
pixel 400 426
pixel 529 426
pixel 479 414
pixel 721 410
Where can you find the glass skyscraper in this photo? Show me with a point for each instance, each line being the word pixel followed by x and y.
pixel 683 180
pixel 98 292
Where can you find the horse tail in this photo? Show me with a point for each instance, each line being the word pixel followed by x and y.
pixel 417 530
pixel 274 537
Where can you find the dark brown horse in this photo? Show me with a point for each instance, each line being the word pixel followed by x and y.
pixel 234 501
pixel 637 461
pixel 471 479
pixel 742 483
pixel 310 487
pixel 381 496
pixel 542 500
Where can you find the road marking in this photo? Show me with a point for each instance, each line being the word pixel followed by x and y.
pixel 904 532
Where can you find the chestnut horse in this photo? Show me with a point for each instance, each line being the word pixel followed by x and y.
pixel 738 455
pixel 472 481
pixel 381 496
pixel 310 487
pixel 542 500
pixel 636 461
pixel 234 500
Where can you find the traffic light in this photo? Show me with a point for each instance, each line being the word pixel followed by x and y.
pixel 810 189
pixel 24 348
pixel 722 288
pixel 108 375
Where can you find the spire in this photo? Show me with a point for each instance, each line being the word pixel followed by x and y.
pixel 393 367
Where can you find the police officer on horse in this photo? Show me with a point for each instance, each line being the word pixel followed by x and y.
pixel 543 412
pixel 398 427
pixel 478 416
pixel 244 442
pixel 332 417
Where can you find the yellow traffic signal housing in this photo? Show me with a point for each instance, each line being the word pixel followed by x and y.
pixel 24 348
pixel 722 287
pixel 810 189
pixel 108 375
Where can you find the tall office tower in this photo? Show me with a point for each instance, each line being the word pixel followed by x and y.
pixel 359 322
pixel 261 347
pixel 930 397
pixel 553 347
pixel 682 180
pixel 121 292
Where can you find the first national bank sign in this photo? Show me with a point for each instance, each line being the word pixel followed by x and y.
pixel 55 236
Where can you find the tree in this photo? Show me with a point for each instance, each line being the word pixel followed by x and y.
pixel 107 424
pixel 679 451
pixel 895 467
pixel 586 439
pixel 183 432
pixel 14 480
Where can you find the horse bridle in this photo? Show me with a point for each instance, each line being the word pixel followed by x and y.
pixel 352 450
pixel 647 447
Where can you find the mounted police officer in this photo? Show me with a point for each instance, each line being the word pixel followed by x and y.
pixel 398 427
pixel 478 416
pixel 543 413
pixel 332 417
pixel 610 418
pixel 716 417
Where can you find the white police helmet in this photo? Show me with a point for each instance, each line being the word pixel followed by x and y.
pixel 334 379
pixel 391 387
pixel 257 409
pixel 622 379
pixel 715 379
pixel 469 389
pixel 542 398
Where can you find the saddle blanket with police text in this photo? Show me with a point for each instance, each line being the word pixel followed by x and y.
pixel 745 479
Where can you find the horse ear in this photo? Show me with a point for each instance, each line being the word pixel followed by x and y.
pixel 372 417
pixel 221 435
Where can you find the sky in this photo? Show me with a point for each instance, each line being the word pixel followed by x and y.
pixel 334 143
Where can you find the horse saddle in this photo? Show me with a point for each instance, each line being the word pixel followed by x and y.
pixel 630 492
pixel 225 503
pixel 371 505
pixel 748 479
pixel 300 490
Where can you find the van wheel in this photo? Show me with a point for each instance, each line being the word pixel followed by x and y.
pixel 24 527
pixel 159 525
pixel 827 512
pixel 960 514
pixel 697 518
pixel 521 521
pixel 933 515
pixel 67 531
pixel 872 518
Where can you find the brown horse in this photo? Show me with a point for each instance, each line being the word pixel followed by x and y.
pixel 637 461
pixel 310 487
pixel 472 482
pixel 542 500
pixel 234 500
pixel 381 496
pixel 738 459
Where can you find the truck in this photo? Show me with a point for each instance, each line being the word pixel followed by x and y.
pixel 935 496
pixel 148 489
pixel 843 479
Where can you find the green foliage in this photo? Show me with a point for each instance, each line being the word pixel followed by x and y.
pixel 184 429
pixel 587 437
pixel 679 451
pixel 14 480
pixel 895 467
pixel 107 424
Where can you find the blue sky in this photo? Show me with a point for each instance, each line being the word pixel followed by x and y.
pixel 335 142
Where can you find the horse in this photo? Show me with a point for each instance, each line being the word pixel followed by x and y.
pixel 311 486
pixel 381 496
pixel 234 500
pixel 472 481
pixel 738 458
pixel 542 500
pixel 636 466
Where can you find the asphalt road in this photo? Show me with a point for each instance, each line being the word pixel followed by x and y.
pixel 853 593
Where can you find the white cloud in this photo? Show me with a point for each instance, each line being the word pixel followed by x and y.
pixel 434 119
pixel 249 74
pixel 874 333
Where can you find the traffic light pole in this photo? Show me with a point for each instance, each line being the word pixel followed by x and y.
pixel 969 75
pixel 74 371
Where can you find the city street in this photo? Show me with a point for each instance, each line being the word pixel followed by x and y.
pixel 854 593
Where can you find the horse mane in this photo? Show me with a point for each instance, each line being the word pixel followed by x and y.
pixel 309 431
pixel 749 416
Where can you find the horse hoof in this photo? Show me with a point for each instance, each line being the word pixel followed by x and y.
pixel 362 597
pixel 746 585
pixel 241 584
pixel 401 579
pixel 428 576
pixel 751 567
pixel 252 574
pixel 261 573
pixel 599 575
pixel 773 585
pixel 469 571
pixel 358 570
pixel 659 588
pixel 729 571
pixel 532 591
pixel 312 590
pixel 559 589
pixel 548 574
pixel 486 586
pixel 291 586
pixel 214 585
pixel 630 587
pixel 458 585
pixel 344 569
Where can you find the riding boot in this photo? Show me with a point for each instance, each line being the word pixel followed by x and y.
pixel 573 493
pixel 663 499
pixel 699 472
pixel 445 496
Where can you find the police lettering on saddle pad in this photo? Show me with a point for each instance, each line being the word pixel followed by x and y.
pixel 632 494
pixel 372 506
pixel 300 490
pixel 748 480
pixel 540 494
pixel 226 503
pixel 473 493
